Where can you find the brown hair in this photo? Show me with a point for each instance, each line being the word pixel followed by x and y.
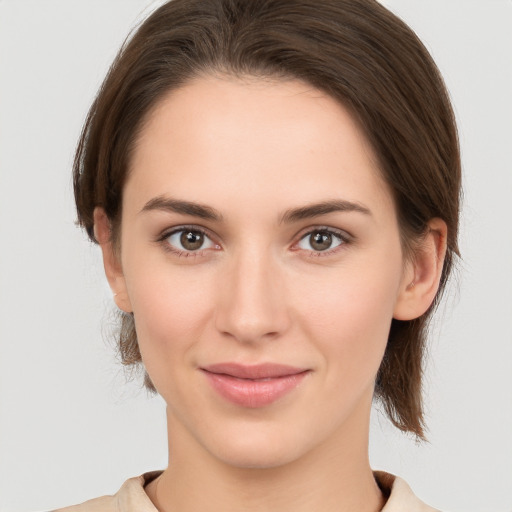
pixel 354 50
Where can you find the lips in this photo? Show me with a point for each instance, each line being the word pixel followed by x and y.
pixel 253 386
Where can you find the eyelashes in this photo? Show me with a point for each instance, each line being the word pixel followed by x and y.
pixel 194 241
pixel 190 240
pixel 321 240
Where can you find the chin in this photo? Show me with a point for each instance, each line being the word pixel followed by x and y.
pixel 257 448
pixel 255 458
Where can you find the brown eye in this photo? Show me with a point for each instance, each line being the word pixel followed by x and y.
pixel 321 240
pixel 189 240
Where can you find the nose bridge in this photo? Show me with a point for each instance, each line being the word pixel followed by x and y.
pixel 253 305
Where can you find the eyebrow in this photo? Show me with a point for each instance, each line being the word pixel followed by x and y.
pixel 323 208
pixel 185 207
pixel 288 217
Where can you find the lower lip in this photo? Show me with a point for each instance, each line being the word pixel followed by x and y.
pixel 253 393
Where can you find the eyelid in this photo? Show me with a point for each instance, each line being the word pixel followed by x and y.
pixel 343 235
pixel 163 237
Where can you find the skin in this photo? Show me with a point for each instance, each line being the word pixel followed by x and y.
pixel 259 291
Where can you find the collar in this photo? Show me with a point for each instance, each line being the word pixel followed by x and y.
pixel 132 497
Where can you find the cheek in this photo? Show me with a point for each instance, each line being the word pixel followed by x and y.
pixel 171 308
pixel 349 317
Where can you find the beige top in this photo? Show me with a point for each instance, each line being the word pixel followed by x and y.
pixel 132 497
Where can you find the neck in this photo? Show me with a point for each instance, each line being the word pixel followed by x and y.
pixel 333 477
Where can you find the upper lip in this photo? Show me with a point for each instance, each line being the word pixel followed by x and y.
pixel 254 371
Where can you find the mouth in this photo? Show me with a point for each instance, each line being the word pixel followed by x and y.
pixel 253 386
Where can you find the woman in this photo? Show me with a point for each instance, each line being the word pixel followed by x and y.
pixel 275 189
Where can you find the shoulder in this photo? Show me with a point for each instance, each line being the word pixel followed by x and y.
pixel 400 496
pixel 103 504
pixel 130 497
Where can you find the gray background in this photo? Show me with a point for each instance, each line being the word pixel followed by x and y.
pixel 70 428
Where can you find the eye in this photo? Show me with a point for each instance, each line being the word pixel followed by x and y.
pixel 321 240
pixel 189 240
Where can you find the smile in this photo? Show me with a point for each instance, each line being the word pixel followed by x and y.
pixel 253 386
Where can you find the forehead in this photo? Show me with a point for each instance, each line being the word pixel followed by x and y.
pixel 220 138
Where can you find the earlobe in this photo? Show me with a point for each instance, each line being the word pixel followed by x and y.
pixel 423 274
pixel 111 263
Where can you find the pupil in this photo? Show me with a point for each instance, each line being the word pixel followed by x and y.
pixel 191 240
pixel 321 241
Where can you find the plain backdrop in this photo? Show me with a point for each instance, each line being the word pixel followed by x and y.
pixel 71 428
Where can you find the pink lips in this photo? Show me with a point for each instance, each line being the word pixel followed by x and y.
pixel 255 385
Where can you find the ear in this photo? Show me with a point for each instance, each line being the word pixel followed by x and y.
pixel 422 274
pixel 111 262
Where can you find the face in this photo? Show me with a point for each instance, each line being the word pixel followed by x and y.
pixel 261 258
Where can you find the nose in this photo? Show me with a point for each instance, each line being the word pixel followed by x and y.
pixel 252 299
